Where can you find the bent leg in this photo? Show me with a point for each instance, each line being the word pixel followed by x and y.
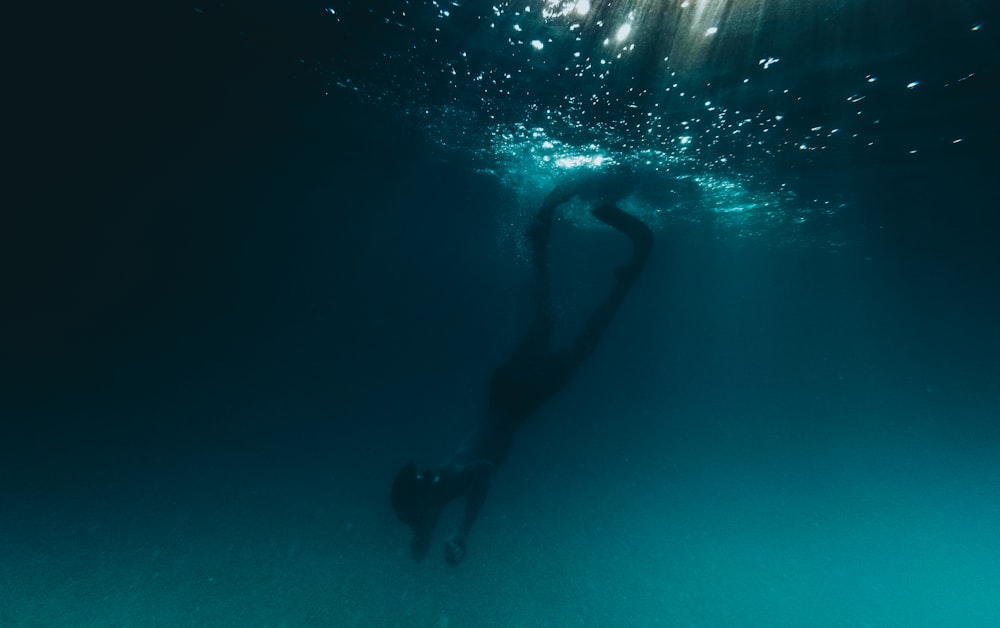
pixel 636 230
pixel 537 234
pixel 586 342
pixel 521 386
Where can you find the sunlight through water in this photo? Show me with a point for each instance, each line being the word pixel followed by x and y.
pixel 739 100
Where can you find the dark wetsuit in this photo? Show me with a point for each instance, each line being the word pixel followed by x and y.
pixel 533 374
pixel 523 383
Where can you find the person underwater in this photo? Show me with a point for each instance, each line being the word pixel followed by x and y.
pixel 518 387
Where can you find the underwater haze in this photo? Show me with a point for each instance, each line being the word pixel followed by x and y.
pixel 258 255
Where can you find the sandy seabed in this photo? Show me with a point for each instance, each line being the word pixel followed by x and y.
pixel 723 536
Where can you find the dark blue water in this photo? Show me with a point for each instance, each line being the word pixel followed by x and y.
pixel 257 255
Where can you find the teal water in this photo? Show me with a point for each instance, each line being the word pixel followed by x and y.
pixel 261 255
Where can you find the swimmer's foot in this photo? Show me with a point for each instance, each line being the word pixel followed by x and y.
pixel 637 232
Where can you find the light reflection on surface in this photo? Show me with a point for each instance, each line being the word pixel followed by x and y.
pixel 710 90
pixel 564 8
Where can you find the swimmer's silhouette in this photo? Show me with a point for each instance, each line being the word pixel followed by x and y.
pixel 517 388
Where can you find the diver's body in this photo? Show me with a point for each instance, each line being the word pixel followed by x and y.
pixel 518 387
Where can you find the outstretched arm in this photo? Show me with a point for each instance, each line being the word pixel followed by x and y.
pixel 477 476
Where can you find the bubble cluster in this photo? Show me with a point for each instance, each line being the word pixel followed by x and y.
pixel 722 93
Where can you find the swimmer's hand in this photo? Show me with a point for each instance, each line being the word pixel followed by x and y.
pixel 454 549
